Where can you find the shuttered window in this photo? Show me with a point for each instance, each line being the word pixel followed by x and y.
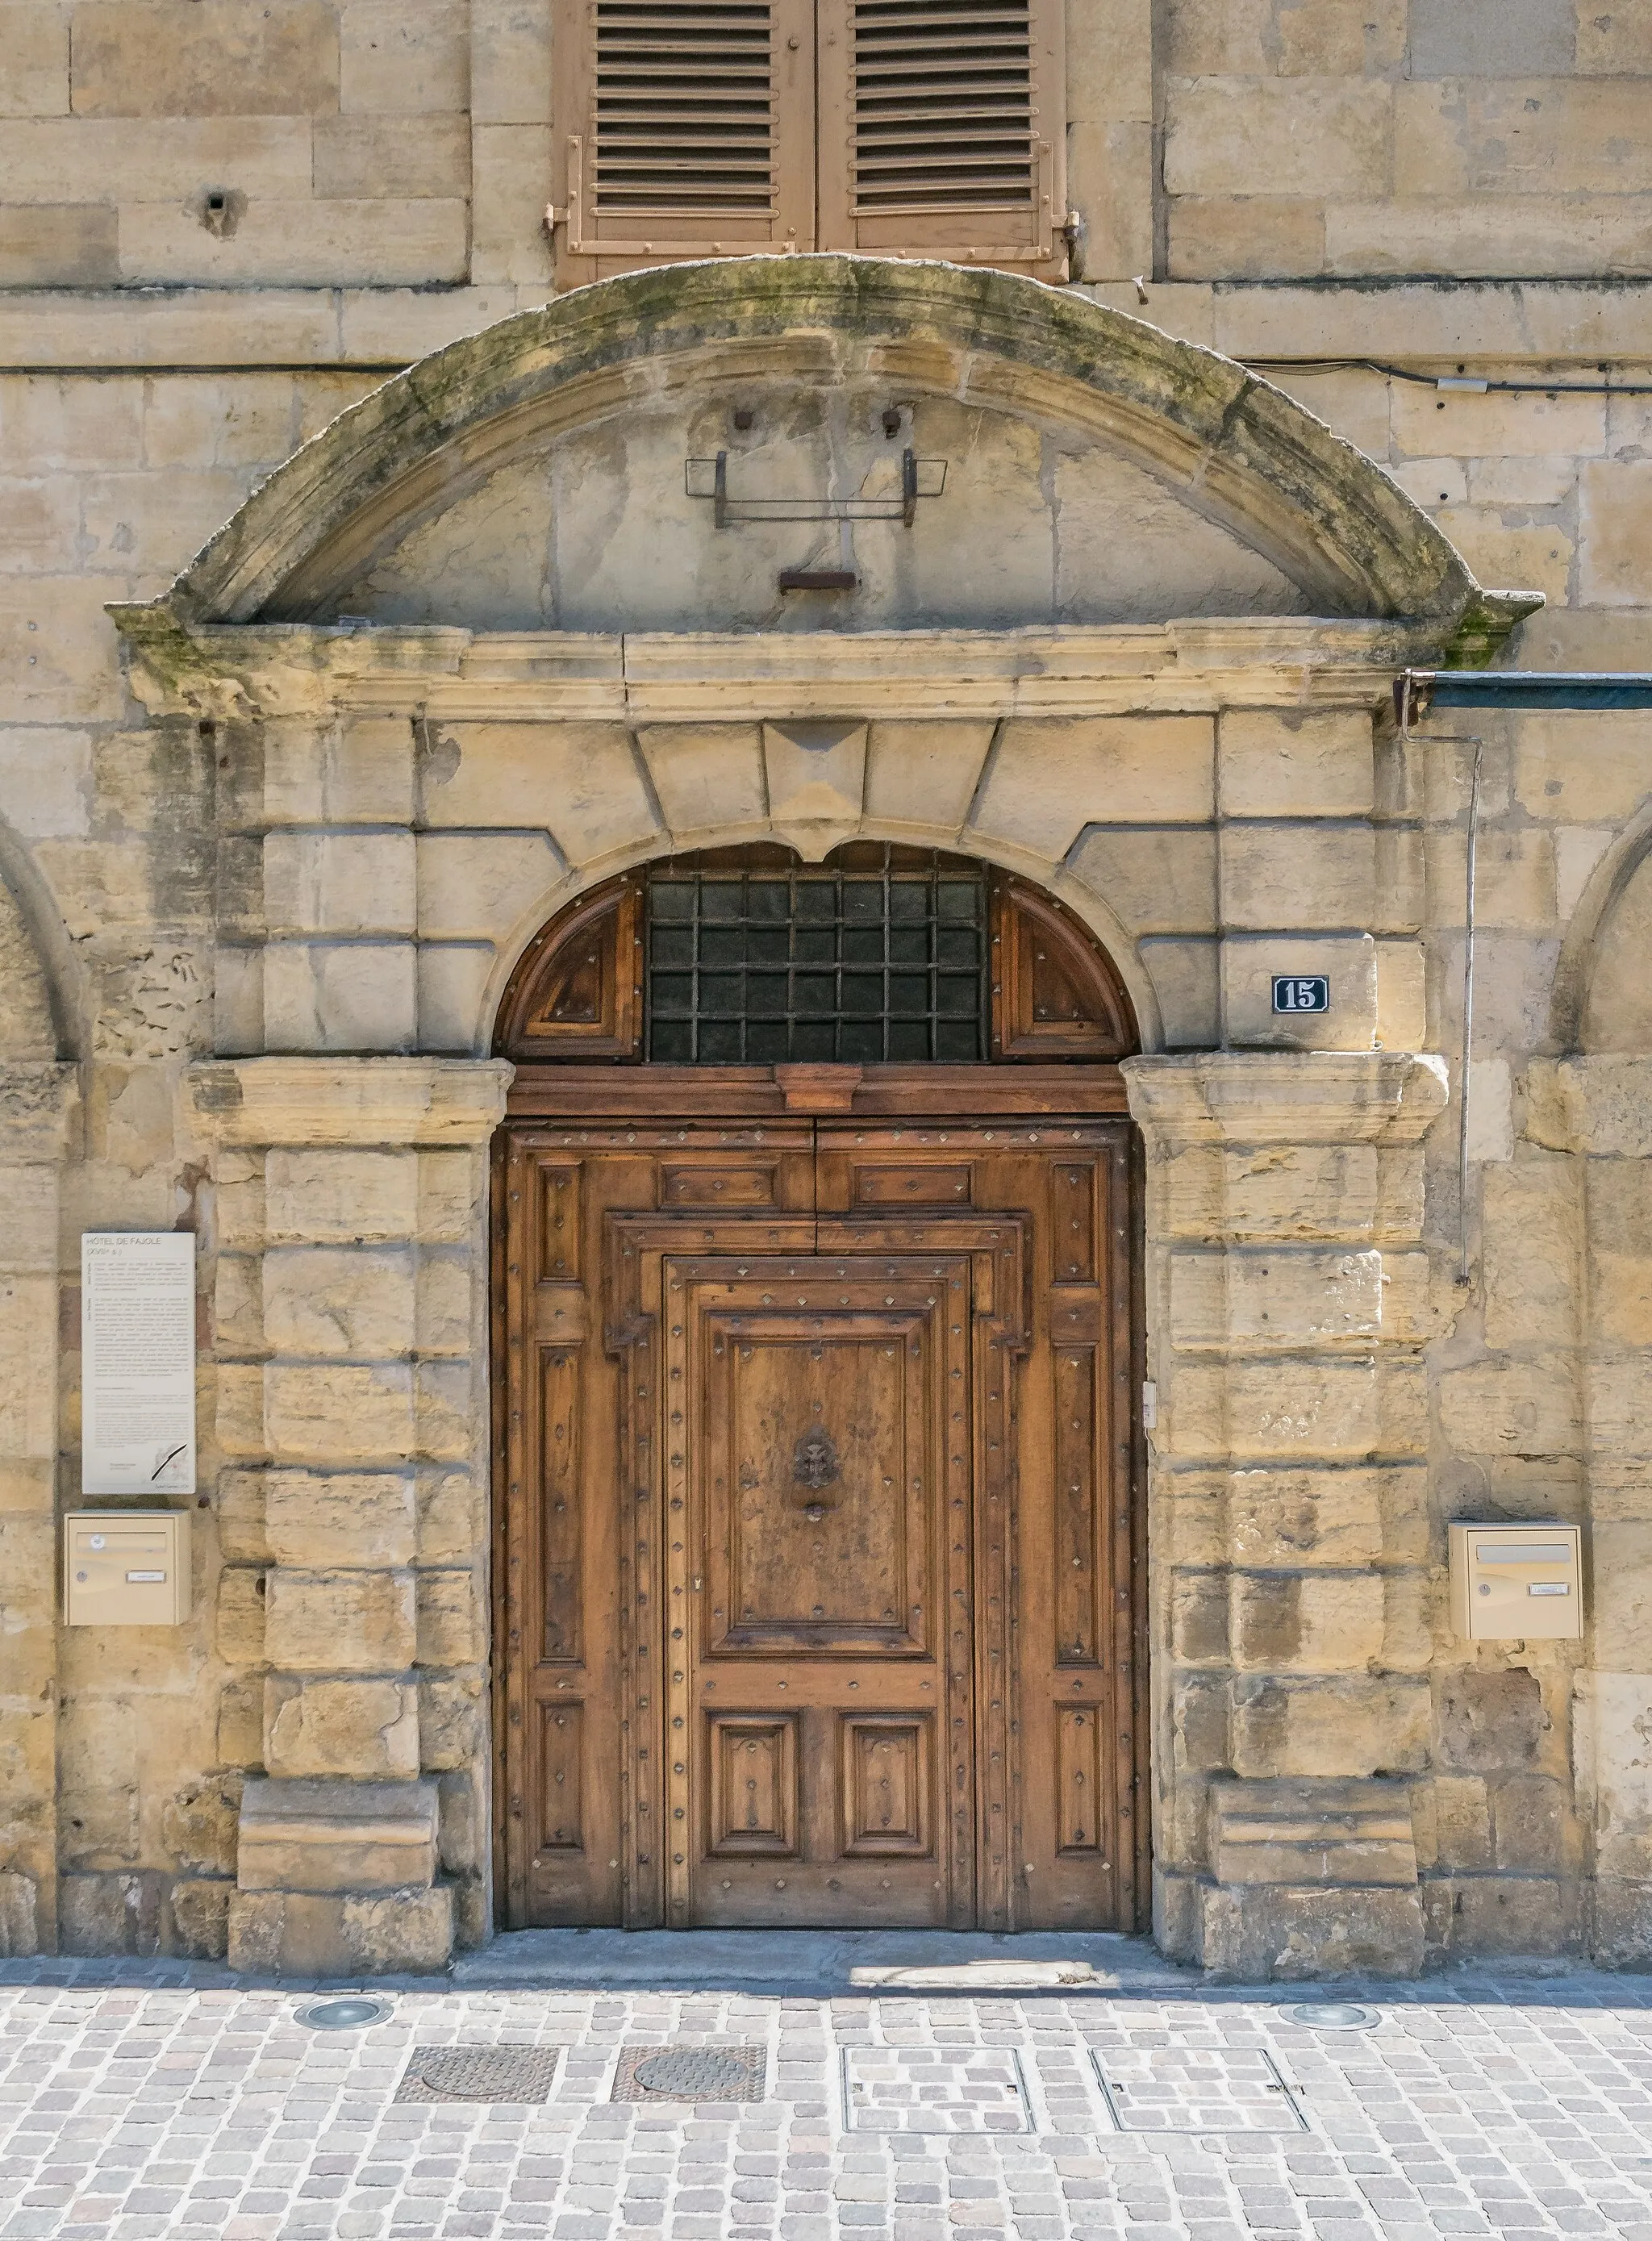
pixel 703 127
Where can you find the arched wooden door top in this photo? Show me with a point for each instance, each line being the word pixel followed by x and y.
pixel 592 986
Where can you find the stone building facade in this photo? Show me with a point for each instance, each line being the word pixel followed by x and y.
pixel 470 638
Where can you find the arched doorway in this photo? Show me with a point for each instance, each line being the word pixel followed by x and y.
pixel 818 1556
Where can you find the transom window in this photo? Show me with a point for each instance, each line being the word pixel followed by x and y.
pixel 753 958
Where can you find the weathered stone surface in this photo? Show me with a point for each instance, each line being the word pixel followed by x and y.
pixel 1287 763
pixel 337 1412
pixel 338 1837
pixel 318 1197
pixel 302 1934
pixel 1274 1934
pixel 1330 1727
pixel 449 1619
pixel 352 1519
pixel 340 1301
pixel 331 1621
pixel 368 1729
pixel 1488 1721
pixel 1302 1833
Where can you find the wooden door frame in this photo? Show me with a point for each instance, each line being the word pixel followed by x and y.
pixel 571 1094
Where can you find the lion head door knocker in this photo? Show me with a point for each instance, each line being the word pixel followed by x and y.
pixel 814 1468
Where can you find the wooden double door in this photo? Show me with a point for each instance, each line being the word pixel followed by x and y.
pixel 817 1560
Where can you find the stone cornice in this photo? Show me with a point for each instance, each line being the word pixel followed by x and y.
pixel 553 675
pixel 378 1103
pixel 1287 1097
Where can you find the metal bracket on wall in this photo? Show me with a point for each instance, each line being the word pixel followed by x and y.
pixel 918 478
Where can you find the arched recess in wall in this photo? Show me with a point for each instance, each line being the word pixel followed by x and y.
pixel 37 1011
pixel 880 954
pixel 1602 1000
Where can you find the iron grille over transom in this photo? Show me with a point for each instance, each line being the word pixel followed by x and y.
pixel 751 958
pixel 943 105
pixel 684 108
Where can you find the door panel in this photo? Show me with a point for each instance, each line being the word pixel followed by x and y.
pixel 1058 1633
pixel 816 1557
pixel 827 1614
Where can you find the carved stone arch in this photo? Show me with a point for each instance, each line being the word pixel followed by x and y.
pixel 1236 452
pixel 1601 1000
pixel 577 991
pixel 37 974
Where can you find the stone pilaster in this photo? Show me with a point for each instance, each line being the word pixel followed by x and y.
pixel 1287 1305
pixel 36 1098
pixel 351 1296
pixel 1600 1109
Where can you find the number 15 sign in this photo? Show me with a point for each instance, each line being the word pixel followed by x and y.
pixel 1301 991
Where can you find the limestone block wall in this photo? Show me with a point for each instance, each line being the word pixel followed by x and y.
pixel 352 1416
pixel 1288 1304
pixel 1409 136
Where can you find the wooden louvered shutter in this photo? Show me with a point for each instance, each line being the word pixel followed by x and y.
pixel 687 128
pixel 942 130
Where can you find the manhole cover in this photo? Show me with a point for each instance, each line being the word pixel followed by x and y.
pixel 1333 2014
pixel 479 2073
pixel 690 2073
pixel 1187 2089
pixel 924 2089
pixel 344 2015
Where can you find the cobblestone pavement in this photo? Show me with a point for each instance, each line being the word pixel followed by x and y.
pixel 132 2106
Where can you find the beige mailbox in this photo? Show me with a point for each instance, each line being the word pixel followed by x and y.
pixel 126 1567
pixel 1509 1581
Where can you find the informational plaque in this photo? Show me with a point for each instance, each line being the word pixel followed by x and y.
pixel 137 1354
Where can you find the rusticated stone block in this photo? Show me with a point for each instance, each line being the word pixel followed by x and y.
pixel 19 1917
pixel 200 1908
pixel 451 1525
pixel 1312 1623
pixel 367 1729
pixel 240 1616
pixel 1488 1917
pixel 331 1835
pixel 304 1933
pixel 199 1826
pixel 240 1724
pixel 1623 1923
pixel 356 1520
pixel 1198 1618
pixel 1330 1726
pixel 334 1413
pixel 1529 1822
pixel 316 1197
pixel 1301 1832
pixel 449 1619
pixel 1273 1934
pixel 446 1405
pixel 1490 1723
pixel 451 1732
pixel 333 1621
pixel 339 1300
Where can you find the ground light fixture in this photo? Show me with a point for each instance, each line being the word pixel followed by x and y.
pixel 1333 2015
pixel 353 2012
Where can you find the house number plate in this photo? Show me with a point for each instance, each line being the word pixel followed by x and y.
pixel 1301 991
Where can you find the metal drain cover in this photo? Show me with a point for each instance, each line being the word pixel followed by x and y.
pixel 1333 2014
pixel 691 2073
pixel 355 2013
pixel 479 2073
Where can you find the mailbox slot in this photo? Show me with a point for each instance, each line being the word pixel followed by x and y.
pixel 126 1567
pixel 1514 1582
